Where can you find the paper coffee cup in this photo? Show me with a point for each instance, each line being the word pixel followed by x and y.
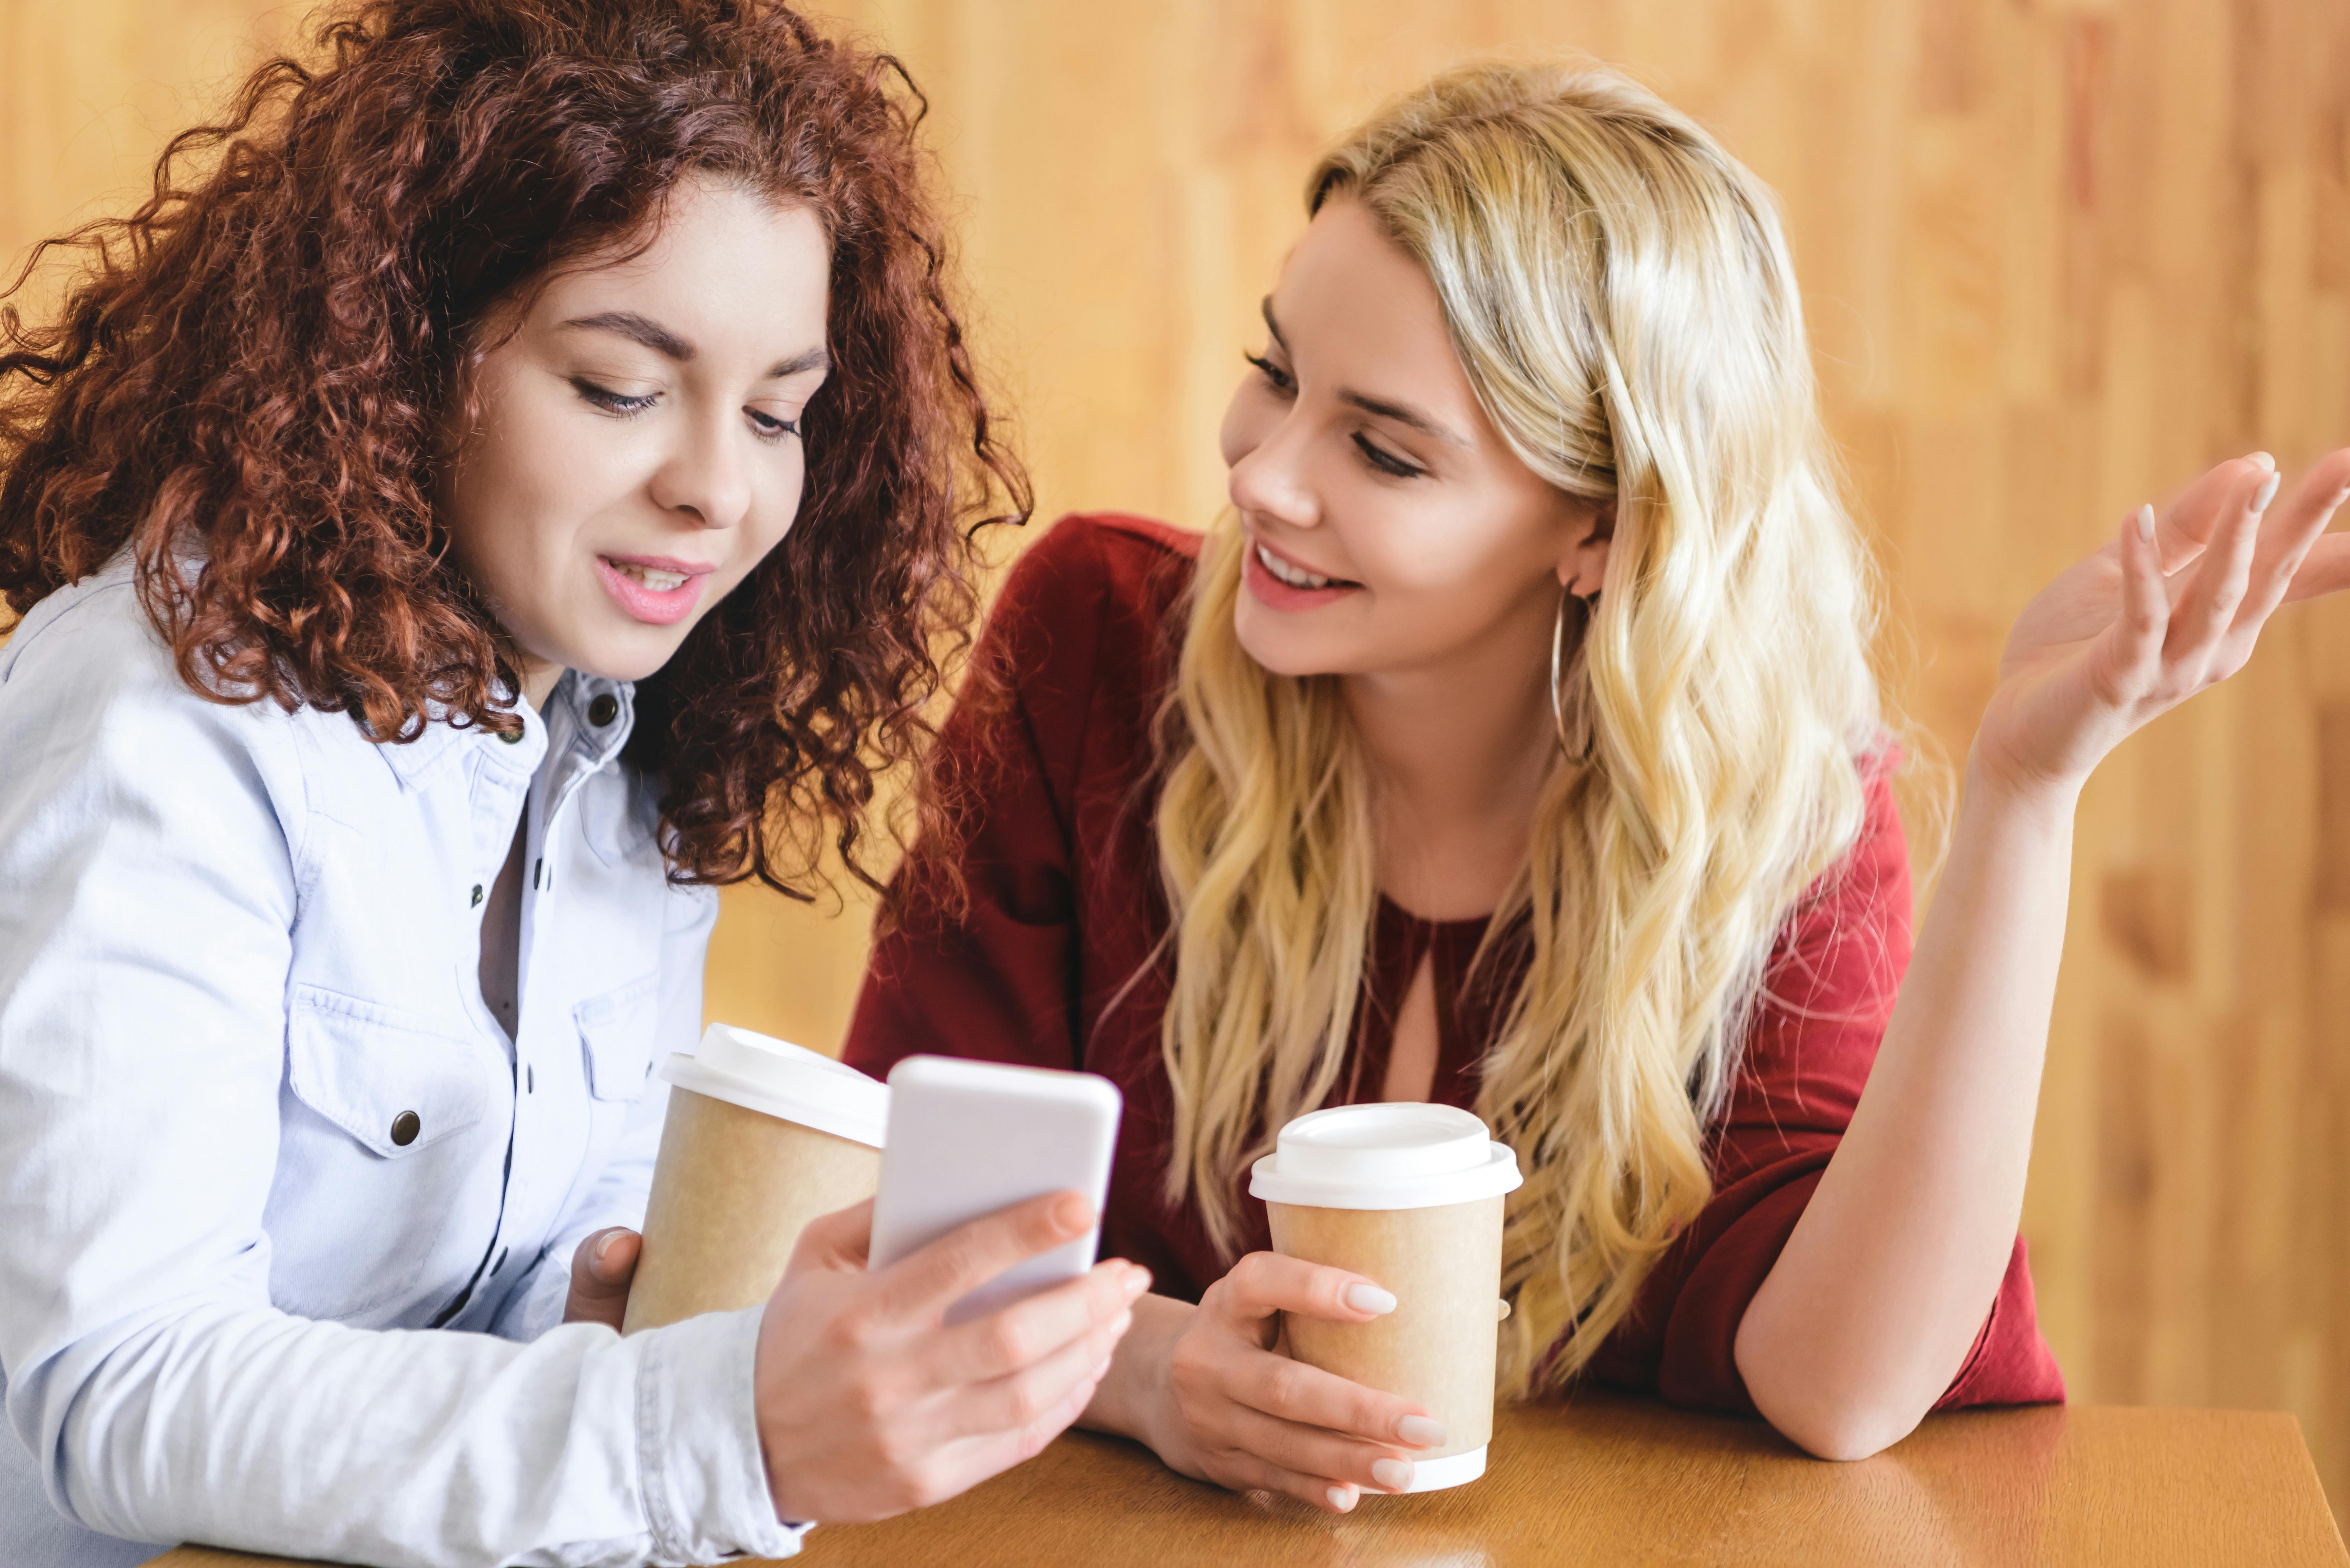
pixel 1410 1196
pixel 762 1138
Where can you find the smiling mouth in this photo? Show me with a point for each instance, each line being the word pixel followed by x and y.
pixel 651 578
pixel 1298 576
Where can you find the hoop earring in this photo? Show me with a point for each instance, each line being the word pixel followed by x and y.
pixel 1580 757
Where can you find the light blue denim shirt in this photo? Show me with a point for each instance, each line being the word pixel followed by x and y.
pixel 285 1218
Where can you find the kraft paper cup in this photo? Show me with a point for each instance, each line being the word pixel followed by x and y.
pixel 1410 1196
pixel 762 1138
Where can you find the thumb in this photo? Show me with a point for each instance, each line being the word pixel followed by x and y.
pixel 840 1240
pixel 605 1264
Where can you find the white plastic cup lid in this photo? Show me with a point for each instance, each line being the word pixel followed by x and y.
pixel 779 1079
pixel 1385 1155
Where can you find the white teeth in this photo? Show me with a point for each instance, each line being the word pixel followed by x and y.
pixel 1296 576
pixel 657 581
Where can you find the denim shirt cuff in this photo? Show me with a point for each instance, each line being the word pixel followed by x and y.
pixel 705 1481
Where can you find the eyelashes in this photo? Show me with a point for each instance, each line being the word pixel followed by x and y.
pixel 1386 462
pixel 610 401
pixel 1381 461
pixel 766 426
pixel 1281 379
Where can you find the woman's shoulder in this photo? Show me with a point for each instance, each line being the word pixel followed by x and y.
pixel 89 658
pixel 88 683
pixel 1094 604
pixel 1109 561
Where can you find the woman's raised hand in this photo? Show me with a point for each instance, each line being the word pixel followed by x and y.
pixel 1233 1411
pixel 870 1405
pixel 2170 607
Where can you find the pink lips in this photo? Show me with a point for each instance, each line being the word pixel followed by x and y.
pixel 1274 594
pixel 653 607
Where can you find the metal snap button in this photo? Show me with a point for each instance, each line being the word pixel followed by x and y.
pixel 603 710
pixel 405 1127
pixel 478 895
pixel 511 737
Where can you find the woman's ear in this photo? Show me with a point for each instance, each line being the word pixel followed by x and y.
pixel 1584 567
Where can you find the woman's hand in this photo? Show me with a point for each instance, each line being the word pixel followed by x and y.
pixel 602 1267
pixel 868 1405
pixel 2170 607
pixel 1219 1403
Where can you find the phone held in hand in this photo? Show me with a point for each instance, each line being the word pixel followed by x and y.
pixel 967 1138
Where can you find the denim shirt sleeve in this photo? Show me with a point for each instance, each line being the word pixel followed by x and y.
pixel 148 882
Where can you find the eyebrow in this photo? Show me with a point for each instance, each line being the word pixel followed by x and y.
pixel 661 340
pixel 1401 414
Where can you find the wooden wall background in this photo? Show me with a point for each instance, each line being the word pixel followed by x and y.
pixel 2059 254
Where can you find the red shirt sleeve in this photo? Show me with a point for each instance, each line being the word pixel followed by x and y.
pixel 1826 998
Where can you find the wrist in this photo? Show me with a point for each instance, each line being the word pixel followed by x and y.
pixel 2010 793
pixel 1132 1401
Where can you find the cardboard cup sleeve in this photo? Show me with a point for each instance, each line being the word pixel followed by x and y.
pixel 1411 1197
pixel 762 1138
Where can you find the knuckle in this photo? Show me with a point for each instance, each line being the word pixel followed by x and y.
pixel 857 1332
pixel 1028 1404
pixel 1007 1342
pixel 900 1453
pixel 910 1489
pixel 1283 1384
pixel 864 1404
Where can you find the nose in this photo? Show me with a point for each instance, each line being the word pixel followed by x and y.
pixel 1272 479
pixel 703 477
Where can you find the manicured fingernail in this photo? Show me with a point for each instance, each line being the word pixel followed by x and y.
pixel 1137 1282
pixel 1121 1323
pixel 1342 1498
pixel 1369 1299
pixel 1420 1432
pixel 1103 1370
pixel 2146 524
pixel 2263 459
pixel 604 1245
pixel 1393 1474
pixel 2268 492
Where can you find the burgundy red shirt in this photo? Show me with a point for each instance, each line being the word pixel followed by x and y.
pixel 1055 958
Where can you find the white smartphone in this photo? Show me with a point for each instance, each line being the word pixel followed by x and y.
pixel 967 1138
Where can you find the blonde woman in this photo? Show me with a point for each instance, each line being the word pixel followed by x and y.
pixel 1516 745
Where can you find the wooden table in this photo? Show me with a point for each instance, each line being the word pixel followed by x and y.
pixel 1606 1480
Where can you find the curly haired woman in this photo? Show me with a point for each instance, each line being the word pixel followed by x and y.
pixel 1520 749
pixel 531 454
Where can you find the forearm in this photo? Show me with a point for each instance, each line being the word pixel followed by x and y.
pixel 252 1429
pixel 1886 1281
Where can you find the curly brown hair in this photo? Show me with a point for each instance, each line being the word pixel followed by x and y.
pixel 253 369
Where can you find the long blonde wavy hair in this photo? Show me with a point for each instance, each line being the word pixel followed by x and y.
pixel 1620 296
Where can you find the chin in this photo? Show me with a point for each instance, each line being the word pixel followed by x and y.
pixel 1281 651
pixel 625 658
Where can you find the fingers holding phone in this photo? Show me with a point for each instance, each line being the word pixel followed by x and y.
pixel 869 1405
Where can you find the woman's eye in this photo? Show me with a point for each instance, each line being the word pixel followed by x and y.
pixel 770 428
pixel 1387 462
pixel 1281 379
pixel 610 401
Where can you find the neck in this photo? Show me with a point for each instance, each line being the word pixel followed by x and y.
pixel 538 677
pixel 1458 755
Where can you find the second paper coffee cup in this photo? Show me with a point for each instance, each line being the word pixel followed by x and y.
pixel 1410 1196
pixel 762 1138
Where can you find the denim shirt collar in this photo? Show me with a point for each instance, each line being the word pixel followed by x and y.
pixel 567 730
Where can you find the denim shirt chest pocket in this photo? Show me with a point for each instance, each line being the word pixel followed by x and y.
pixel 392 1112
pixel 617 1031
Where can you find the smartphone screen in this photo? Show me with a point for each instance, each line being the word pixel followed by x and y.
pixel 967 1138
